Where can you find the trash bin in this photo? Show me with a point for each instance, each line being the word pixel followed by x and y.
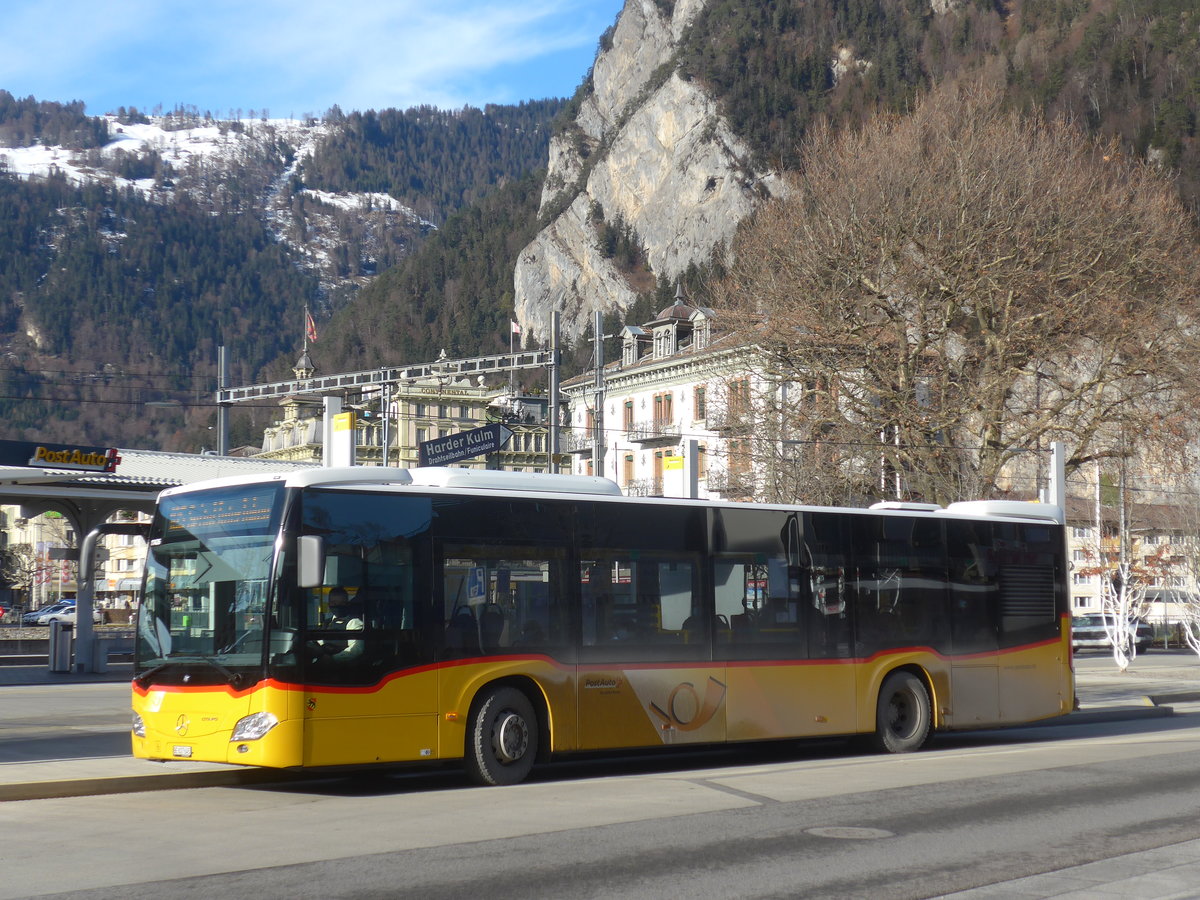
pixel 60 646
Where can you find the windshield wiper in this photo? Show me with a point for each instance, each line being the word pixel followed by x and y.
pixel 143 677
pixel 232 678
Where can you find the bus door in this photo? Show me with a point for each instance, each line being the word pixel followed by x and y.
pixel 974 673
pixel 646 674
pixel 1031 596
pixel 781 585
pixel 370 691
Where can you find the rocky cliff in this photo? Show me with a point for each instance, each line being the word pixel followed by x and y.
pixel 647 148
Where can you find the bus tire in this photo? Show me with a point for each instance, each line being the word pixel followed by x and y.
pixel 902 714
pixel 502 738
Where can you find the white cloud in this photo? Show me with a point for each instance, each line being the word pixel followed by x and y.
pixel 303 54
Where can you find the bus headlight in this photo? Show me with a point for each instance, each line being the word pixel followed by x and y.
pixel 253 727
pixel 139 727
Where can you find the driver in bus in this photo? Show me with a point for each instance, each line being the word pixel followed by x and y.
pixel 345 614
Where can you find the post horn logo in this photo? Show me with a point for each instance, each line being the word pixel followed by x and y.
pixel 685 711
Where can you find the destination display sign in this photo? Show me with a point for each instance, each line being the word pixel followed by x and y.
pixel 464 445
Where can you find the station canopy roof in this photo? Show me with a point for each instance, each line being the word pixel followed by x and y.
pixel 31 471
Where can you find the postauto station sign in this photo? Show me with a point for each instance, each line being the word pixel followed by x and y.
pixel 58 456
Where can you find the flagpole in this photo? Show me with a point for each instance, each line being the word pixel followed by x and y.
pixel 305 328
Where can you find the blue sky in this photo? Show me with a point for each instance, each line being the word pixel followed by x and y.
pixel 298 57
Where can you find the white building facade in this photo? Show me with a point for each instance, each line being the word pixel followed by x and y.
pixel 672 412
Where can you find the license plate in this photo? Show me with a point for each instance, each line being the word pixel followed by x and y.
pixel 181 751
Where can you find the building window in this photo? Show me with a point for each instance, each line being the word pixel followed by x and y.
pixel 739 398
pixel 664 410
pixel 629 415
pixel 699 403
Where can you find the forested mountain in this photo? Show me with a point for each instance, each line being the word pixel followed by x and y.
pixel 27 121
pixel 695 111
pixel 1124 68
pixel 141 244
pixel 406 231
pixel 433 161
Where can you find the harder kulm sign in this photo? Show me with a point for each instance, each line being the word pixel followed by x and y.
pixel 464 445
pixel 59 456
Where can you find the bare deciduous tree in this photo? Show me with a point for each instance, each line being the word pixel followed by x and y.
pixel 954 288
pixel 21 568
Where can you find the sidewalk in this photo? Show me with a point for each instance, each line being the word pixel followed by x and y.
pixel 81 776
pixel 1166 873
pixel 1161 686
pixel 1103 693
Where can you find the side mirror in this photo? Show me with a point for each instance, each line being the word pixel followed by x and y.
pixel 310 561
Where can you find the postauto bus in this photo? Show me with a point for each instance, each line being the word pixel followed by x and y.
pixel 499 618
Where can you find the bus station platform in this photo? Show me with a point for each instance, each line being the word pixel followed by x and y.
pixel 1159 687
pixel 1103 693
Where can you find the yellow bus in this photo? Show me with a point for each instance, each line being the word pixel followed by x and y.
pixel 345 617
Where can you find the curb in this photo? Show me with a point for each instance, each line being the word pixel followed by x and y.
pixel 1112 714
pixel 239 777
pixel 137 784
pixel 1177 697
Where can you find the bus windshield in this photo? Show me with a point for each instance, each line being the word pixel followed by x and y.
pixel 207 575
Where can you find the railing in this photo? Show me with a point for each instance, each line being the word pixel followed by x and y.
pixel 736 418
pixel 574 442
pixel 726 483
pixel 653 431
pixel 644 487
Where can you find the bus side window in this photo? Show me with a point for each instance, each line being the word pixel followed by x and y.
pixel 644 602
pixel 497 597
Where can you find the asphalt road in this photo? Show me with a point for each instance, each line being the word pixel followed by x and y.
pixel 807 820
pixel 970 812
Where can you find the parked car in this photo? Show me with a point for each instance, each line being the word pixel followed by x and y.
pixel 68 615
pixel 33 616
pixel 1087 633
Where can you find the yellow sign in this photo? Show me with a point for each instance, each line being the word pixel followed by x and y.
pixel 672 462
pixel 343 422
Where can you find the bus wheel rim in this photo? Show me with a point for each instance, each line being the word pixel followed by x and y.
pixel 900 715
pixel 511 738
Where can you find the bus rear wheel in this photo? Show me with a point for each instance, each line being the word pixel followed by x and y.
pixel 502 738
pixel 902 714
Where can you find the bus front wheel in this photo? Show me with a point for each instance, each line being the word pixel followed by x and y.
pixel 502 738
pixel 902 714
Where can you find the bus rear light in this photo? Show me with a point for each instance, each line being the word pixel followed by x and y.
pixel 139 727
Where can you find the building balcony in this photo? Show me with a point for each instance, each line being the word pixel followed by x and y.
pixel 644 487
pixel 729 484
pixel 653 432
pixel 733 419
pixel 575 442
